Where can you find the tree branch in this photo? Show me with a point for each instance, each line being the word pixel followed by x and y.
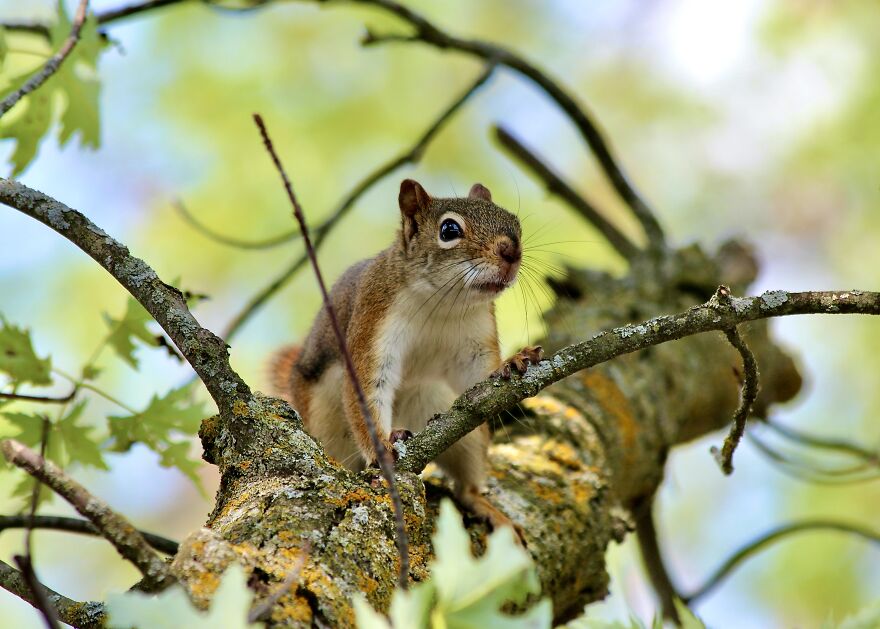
pixel 429 33
pixel 116 529
pixel 43 399
pixel 555 185
pixel 206 352
pixel 490 397
pixel 649 546
pixel 775 535
pixel 52 65
pixel 75 525
pixel 232 241
pixel 410 156
pixel 80 615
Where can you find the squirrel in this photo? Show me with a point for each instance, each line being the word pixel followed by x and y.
pixel 419 322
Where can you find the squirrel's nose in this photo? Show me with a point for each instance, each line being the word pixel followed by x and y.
pixel 508 251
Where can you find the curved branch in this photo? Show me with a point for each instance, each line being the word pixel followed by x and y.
pixel 556 185
pixel 429 33
pixel 83 527
pixel 491 397
pixel 232 241
pixel 206 352
pixel 116 529
pixel 410 156
pixel 748 550
pixel 80 615
pixel 43 399
pixel 52 65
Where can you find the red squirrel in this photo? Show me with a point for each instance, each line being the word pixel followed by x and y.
pixel 419 321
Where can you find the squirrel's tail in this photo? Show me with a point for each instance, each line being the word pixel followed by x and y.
pixel 280 367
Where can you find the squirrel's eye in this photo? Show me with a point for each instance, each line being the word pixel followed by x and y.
pixel 450 230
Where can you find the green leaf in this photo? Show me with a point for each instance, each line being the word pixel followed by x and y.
pixel 866 618
pixel 177 455
pixel 133 325
pixel 79 446
pixel 18 359
pixel 4 47
pixel 369 618
pixel 412 608
pixel 172 608
pixel 155 425
pixel 688 619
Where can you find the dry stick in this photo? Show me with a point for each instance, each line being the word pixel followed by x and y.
pixel 39 398
pixel 231 241
pixel 25 562
pixel 383 456
pixel 555 185
pixel 75 525
pixel 410 156
pixel 89 615
pixel 206 352
pixel 492 397
pixel 115 528
pixel 749 549
pixel 429 33
pixel 747 400
pixel 52 65
pixel 261 610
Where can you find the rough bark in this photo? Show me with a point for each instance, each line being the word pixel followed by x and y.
pixel 567 467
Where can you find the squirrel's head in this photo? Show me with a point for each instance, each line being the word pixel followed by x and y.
pixel 467 244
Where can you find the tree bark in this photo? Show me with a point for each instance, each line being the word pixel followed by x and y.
pixel 567 467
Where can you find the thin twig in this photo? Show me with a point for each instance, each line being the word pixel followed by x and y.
pixel 429 33
pixel 25 562
pixel 748 394
pixel 492 397
pixel 112 15
pixel 292 579
pixel 231 241
pixel 749 549
pixel 410 156
pixel 206 352
pixel 825 443
pixel 649 546
pixel 115 528
pixel 383 455
pixel 84 527
pixel 809 472
pixel 89 615
pixel 52 65
pixel 43 399
pixel 556 185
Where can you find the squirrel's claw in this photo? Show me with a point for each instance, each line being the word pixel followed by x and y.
pixel 519 362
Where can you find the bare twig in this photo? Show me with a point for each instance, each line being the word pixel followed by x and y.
pixel 43 399
pixel 262 610
pixel 751 548
pixel 115 528
pixel 747 397
pixel 206 352
pixel 25 562
pixel 649 546
pixel 555 185
pixel 80 615
pixel 810 472
pixel 52 65
pixel 231 241
pixel 491 397
pixel 410 156
pixel 84 527
pixel 826 443
pixel 112 15
pixel 383 456
pixel 429 33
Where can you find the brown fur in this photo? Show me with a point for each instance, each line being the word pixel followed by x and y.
pixel 419 323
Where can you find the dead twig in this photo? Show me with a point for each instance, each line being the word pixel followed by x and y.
pixel 383 456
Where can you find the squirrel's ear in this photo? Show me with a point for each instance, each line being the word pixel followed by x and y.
pixel 412 198
pixel 479 191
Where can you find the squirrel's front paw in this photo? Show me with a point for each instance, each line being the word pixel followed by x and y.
pixel 519 362
pixel 398 435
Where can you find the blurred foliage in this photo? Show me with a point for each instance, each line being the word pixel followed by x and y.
pixel 764 124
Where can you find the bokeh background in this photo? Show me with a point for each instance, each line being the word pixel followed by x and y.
pixel 758 118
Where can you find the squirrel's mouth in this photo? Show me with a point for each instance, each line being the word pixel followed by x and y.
pixel 491 286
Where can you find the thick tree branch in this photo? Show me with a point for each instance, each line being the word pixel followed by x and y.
pixel 555 185
pixel 491 397
pixel 411 156
pixel 74 613
pixel 429 33
pixel 52 65
pixel 75 525
pixel 206 352
pixel 756 545
pixel 116 529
